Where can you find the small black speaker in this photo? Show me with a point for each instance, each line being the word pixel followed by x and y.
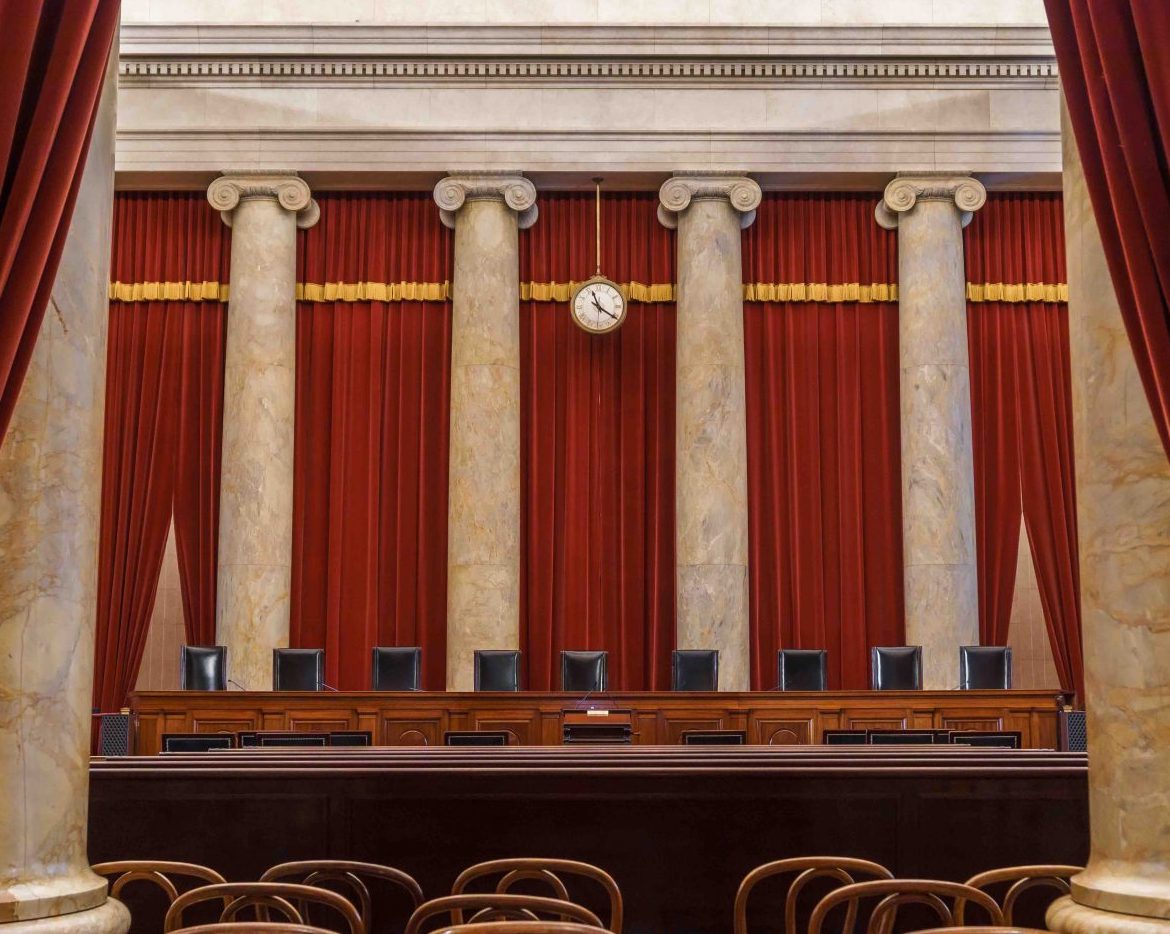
pixel 114 734
pixel 1073 732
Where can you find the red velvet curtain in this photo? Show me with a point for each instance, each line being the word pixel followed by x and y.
pixel 1022 422
pixel 164 402
pixel 824 444
pixel 51 74
pixel 597 450
pixel 372 425
pixel 1116 78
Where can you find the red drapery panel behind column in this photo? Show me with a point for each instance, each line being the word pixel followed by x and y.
pixel 597 450
pixel 1021 400
pixel 164 403
pixel 1116 79
pixel 824 448
pixel 370 484
pixel 51 74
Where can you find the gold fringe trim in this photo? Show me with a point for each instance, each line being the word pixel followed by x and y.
pixel 820 292
pixel 373 291
pixel 560 291
pixel 168 292
pixel 1017 292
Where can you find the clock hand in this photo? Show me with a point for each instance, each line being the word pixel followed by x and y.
pixel 598 306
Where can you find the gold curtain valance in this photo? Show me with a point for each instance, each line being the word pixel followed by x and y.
pixel 560 291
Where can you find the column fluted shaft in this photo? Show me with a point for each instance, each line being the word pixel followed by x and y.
pixel 264 210
pixel 711 512
pixel 483 516
pixel 1123 518
pixel 938 475
pixel 50 503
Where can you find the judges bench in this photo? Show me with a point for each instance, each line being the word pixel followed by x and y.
pixel 536 719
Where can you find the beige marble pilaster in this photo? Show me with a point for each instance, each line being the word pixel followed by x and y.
pixel 50 493
pixel 483 515
pixel 264 210
pixel 1123 524
pixel 711 514
pixel 929 212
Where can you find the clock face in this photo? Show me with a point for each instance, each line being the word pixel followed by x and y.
pixel 597 306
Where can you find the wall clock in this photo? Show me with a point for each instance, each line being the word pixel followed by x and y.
pixel 597 304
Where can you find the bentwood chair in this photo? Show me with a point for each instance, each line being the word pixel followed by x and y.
pixel 892 894
pixel 262 897
pixel 497 670
pixel 982 929
pixel 298 669
pixel 584 671
pixel 1020 879
pixel 396 668
pixel 550 872
pixel 203 668
pixel 985 668
pixel 522 927
pixel 694 670
pixel 840 869
pixel 896 668
pixel 495 906
pixel 168 877
pixel 802 670
pixel 253 927
pixel 351 877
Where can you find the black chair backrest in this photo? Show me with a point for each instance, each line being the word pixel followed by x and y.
pixel 298 669
pixel 901 738
pixel 896 668
pixel 845 737
pixel 203 668
pixel 584 671
pixel 1002 739
pixel 497 670
pixel 475 738
pixel 985 668
pixel 802 670
pixel 397 668
pixel 714 738
pixel 695 669
pixel 292 739
pixel 196 742
pixel 351 738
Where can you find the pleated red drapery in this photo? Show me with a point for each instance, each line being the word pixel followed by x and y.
pixel 1022 421
pixel 1116 79
pixel 51 74
pixel 597 449
pixel 163 416
pixel 824 445
pixel 372 427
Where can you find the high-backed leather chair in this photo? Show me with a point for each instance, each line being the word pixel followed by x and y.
pixel 584 671
pixel 497 670
pixel 298 669
pixel 896 668
pixel 203 668
pixel 694 670
pixel 985 668
pixel 802 670
pixel 397 668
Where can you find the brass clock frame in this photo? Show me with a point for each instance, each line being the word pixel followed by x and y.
pixel 581 287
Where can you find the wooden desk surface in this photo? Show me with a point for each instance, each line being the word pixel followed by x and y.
pixel 534 719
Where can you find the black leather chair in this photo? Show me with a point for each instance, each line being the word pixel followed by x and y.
pixel 895 668
pixel 298 669
pixel 694 669
pixel 397 668
pixel 802 670
pixel 203 668
pixel 584 671
pixel 497 670
pixel 985 668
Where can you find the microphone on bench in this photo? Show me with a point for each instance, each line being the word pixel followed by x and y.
pixel 237 684
pixel 329 687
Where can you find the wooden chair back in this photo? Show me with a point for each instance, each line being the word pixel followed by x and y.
pixel 253 927
pixel 549 872
pixel 263 897
pixel 1020 879
pixel 351 876
pixel 160 874
pixel 500 906
pixel 842 869
pixel 983 929
pixel 521 927
pixel 897 892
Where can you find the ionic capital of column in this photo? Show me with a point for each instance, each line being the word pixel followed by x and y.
pixel 678 191
pixel 288 189
pixel 512 188
pixel 966 193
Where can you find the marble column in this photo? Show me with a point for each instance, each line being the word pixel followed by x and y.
pixel 50 494
pixel 483 513
pixel 264 210
pixel 711 512
pixel 929 212
pixel 1123 526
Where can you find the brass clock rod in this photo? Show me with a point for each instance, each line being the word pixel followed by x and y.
pixel 597 223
